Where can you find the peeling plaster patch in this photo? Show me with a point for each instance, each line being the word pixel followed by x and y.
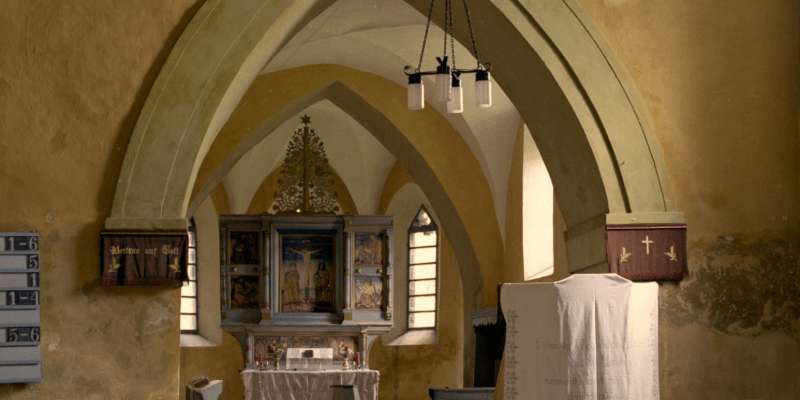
pixel 737 288
pixel 157 317
pixel 55 340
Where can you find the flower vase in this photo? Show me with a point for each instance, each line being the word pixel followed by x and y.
pixel 276 364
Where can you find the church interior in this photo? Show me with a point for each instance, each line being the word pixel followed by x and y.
pixel 165 115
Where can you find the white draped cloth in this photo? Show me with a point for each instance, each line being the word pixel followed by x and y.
pixel 306 385
pixel 587 337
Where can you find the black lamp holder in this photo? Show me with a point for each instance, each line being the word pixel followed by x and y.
pixel 443 67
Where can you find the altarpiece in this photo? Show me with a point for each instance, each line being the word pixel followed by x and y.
pixel 305 277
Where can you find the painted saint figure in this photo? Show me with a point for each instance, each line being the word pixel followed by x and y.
pixel 322 281
pixel 369 252
pixel 291 285
pixel 245 293
pixel 369 294
pixel 244 248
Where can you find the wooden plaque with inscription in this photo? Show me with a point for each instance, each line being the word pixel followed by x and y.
pixel 143 258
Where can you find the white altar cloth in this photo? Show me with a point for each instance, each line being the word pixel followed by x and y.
pixel 306 385
pixel 586 337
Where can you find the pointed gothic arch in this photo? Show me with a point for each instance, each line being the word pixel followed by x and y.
pixel 558 71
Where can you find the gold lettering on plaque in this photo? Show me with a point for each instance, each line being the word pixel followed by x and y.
pixel 647 242
pixel 671 254
pixel 123 250
pixel 167 249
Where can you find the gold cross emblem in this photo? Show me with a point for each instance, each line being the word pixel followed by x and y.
pixel 647 241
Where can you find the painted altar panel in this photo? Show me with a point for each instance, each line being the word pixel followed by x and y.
pixel 337 343
pixel 368 249
pixel 307 272
pixel 245 291
pixel 244 247
pixel 307 281
pixel 368 293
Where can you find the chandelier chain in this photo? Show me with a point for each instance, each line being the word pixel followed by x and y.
pixel 425 38
pixel 446 11
pixel 472 35
pixel 452 41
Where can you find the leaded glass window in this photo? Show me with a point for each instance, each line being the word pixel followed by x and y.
pixel 189 289
pixel 423 271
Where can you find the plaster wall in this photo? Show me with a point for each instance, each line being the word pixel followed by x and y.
pixel 216 363
pixel 408 371
pixel 720 87
pixel 514 271
pixel 73 77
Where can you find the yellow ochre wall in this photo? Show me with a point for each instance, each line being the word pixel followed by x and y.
pixel 73 77
pixel 720 87
pixel 719 83
pixel 407 372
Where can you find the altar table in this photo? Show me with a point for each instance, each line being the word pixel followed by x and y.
pixel 306 385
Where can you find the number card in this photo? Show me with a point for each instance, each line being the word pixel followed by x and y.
pixel 20 331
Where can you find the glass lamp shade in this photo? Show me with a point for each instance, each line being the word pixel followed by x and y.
pixel 416 92
pixel 456 103
pixel 483 90
pixel 443 83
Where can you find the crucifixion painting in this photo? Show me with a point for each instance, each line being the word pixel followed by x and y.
pixel 307 273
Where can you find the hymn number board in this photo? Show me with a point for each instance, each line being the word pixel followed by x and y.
pixel 20 335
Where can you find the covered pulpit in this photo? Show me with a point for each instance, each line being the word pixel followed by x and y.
pixel 585 337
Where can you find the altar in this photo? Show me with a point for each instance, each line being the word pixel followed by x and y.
pixel 307 385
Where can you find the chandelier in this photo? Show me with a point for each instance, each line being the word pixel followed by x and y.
pixel 448 79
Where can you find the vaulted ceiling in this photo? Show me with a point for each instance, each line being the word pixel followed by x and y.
pixel 378 37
